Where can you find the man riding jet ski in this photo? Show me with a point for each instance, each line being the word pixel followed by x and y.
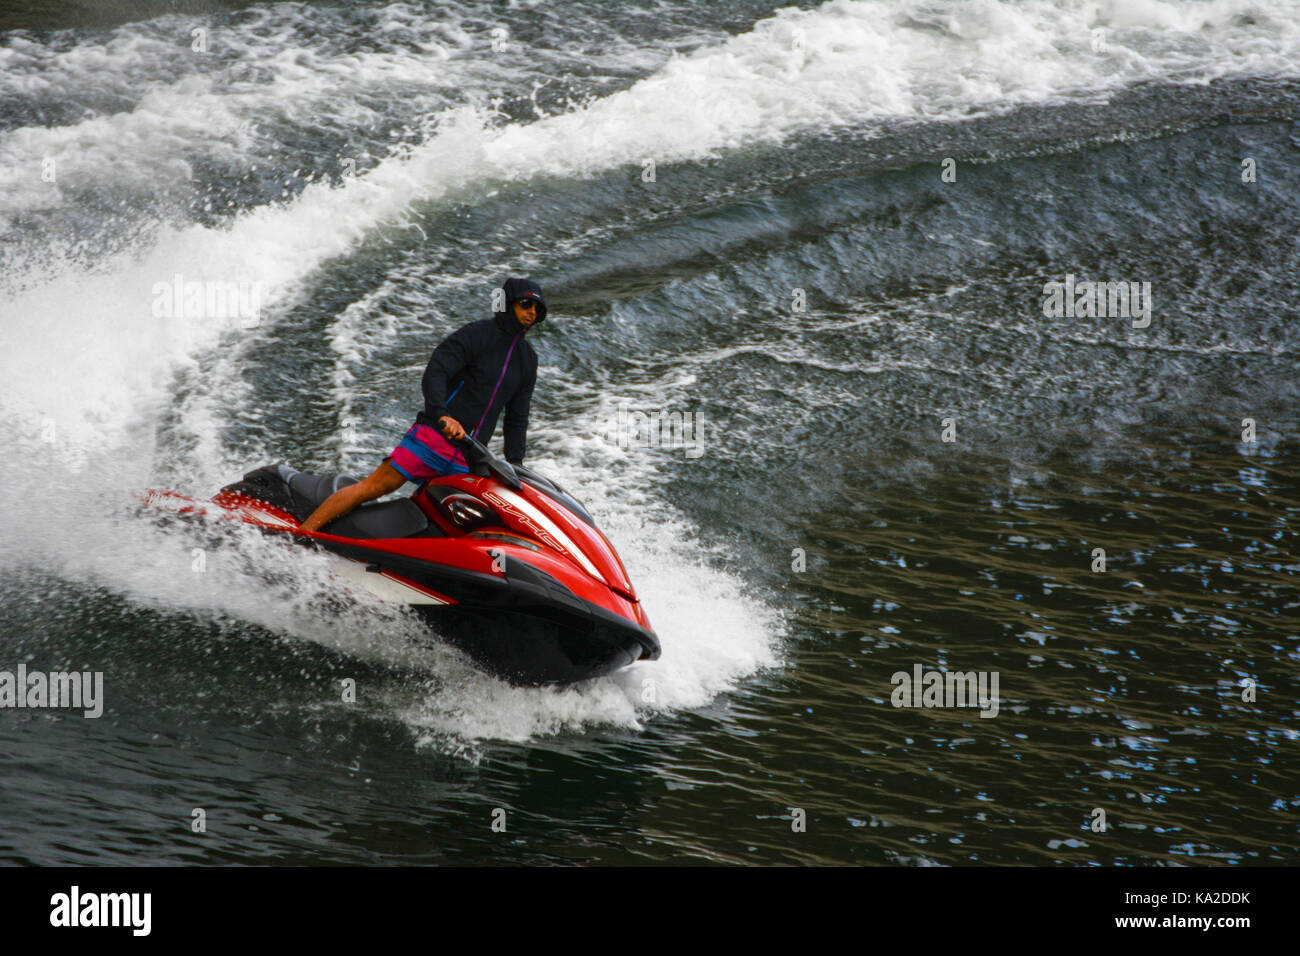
pixel 501 561
pixel 476 371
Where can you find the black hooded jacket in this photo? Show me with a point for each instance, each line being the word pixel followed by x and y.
pixel 483 367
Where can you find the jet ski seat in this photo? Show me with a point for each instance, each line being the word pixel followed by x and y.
pixel 301 493
pixel 378 519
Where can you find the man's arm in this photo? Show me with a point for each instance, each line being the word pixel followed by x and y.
pixel 445 367
pixel 516 422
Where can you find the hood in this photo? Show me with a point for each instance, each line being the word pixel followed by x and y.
pixel 516 289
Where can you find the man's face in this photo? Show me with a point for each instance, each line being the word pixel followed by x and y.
pixel 525 311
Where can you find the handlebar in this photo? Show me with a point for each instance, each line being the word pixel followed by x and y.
pixel 477 456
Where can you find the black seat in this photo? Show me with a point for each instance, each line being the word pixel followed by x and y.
pixel 378 519
pixel 314 489
pixel 381 519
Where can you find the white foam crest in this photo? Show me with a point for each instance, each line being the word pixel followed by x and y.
pixel 289 66
pixel 713 636
pixel 146 150
pixel 210 569
pixel 257 75
pixel 285 50
pixel 850 62
pixel 85 348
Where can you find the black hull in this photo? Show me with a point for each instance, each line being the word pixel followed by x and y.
pixel 526 628
pixel 530 651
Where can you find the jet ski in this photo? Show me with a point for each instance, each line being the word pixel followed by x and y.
pixel 501 562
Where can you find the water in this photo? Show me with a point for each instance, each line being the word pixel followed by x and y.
pixel 373 171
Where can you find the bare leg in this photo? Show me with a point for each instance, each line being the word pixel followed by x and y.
pixel 382 480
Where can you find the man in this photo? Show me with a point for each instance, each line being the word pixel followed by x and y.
pixel 476 371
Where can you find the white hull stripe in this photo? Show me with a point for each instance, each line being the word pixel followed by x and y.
pixel 381 584
pixel 257 514
pixel 542 525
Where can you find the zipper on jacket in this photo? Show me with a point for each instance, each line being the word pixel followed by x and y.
pixel 500 378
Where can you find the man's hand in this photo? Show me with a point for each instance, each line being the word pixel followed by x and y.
pixel 451 428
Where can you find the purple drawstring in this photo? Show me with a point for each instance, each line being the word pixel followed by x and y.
pixel 495 388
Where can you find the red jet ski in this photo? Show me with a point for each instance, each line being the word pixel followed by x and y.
pixel 502 562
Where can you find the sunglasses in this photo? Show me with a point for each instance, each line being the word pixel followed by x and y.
pixel 526 303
